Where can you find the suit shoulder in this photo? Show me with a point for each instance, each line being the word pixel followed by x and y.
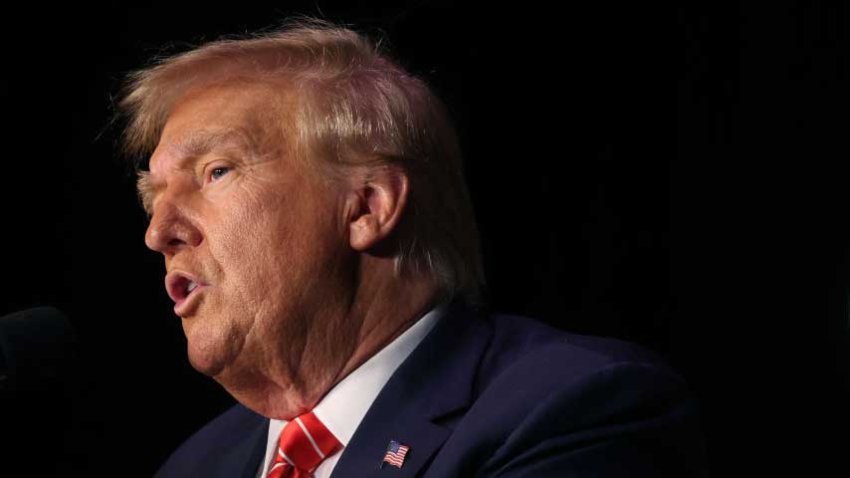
pixel 523 343
pixel 546 395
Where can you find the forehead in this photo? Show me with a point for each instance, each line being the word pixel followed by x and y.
pixel 242 115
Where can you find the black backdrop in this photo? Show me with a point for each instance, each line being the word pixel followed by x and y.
pixel 672 176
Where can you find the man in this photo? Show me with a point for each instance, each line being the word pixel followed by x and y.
pixel 306 193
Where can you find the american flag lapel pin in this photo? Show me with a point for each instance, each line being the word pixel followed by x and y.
pixel 395 454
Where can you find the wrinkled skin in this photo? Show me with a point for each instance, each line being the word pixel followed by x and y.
pixel 286 307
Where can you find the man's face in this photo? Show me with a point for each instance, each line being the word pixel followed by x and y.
pixel 254 247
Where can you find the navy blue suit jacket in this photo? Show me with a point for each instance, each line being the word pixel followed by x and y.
pixel 500 396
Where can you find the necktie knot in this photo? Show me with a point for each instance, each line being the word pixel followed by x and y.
pixel 304 443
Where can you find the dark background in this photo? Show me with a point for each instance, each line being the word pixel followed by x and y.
pixel 672 176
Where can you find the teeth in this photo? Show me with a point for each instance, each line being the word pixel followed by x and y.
pixel 191 287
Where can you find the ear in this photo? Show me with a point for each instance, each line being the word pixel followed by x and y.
pixel 375 205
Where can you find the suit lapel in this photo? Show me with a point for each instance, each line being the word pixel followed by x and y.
pixel 435 380
pixel 253 451
pixel 243 457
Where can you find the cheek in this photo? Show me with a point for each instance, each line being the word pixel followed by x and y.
pixel 253 243
pixel 271 246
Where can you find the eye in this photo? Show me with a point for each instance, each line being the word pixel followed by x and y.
pixel 218 172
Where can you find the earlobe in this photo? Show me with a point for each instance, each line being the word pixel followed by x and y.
pixel 378 203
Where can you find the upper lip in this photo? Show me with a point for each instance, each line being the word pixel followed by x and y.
pixel 177 284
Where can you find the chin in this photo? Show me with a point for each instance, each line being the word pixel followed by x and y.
pixel 209 347
pixel 205 362
pixel 206 354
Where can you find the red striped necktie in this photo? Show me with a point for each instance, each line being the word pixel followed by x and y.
pixel 304 443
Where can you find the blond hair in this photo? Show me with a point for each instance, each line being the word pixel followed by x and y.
pixel 354 105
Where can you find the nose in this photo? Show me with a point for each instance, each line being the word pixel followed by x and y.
pixel 171 229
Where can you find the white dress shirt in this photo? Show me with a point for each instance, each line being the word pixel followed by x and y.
pixel 345 405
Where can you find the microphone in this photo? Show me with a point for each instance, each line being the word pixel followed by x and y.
pixel 36 348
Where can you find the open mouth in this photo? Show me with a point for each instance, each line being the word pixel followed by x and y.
pixel 181 287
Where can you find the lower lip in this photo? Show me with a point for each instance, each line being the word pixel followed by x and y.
pixel 188 305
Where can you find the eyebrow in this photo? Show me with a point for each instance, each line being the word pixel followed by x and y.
pixel 192 146
pixel 146 190
pixel 199 143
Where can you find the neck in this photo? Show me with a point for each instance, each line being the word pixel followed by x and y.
pixel 385 309
pixel 345 331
